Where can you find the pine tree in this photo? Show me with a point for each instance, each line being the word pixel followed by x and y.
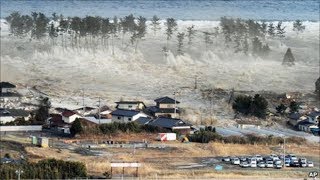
pixel 180 38
pixel 76 127
pixel 155 24
pixel 271 30
pixel 171 27
pixel 288 58
pixel 191 32
pixel 280 30
pixel 298 27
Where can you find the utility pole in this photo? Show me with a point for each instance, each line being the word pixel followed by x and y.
pixel 284 152
pixel 83 107
pixel 195 82
pixel 175 104
pixel 99 110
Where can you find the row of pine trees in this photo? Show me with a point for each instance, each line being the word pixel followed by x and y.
pixel 91 32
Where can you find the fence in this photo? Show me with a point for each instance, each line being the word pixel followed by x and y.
pixel 20 128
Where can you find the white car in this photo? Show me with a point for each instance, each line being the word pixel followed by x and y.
pixel 274 157
pixel 235 161
pixel 244 164
pixel 261 165
pixel 269 164
pixel 253 164
pixel 310 164
pixel 293 157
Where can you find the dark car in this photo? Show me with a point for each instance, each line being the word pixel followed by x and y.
pixel 295 164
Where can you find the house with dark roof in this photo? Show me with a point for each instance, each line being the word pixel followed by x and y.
pixel 131 105
pixel 165 107
pixel 8 115
pixel 56 123
pixel 172 124
pixel 295 118
pixel 143 120
pixel 6 87
pixel 122 115
pixel 307 126
pixel 69 116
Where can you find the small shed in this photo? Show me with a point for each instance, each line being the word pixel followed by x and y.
pixel 43 142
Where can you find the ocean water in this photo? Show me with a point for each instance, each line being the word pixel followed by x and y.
pixel 307 10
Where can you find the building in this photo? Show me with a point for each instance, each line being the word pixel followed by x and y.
pixel 143 120
pixel 9 115
pixel 122 115
pixel 165 107
pixel 95 120
pixel 171 124
pixel 84 110
pixel 307 126
pixel 131 105
pixel 314 117
pixel 69 116
pixel 6 87
pixel 295 118
pixel 56 123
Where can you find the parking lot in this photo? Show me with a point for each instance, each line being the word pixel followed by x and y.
pixel 269 162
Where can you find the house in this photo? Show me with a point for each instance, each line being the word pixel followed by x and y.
pixel 314 117
pixel 131 105
pixel 122 115
pixel 307 126
pixel 165 107
pixel 69 116
pixel 106 114
pixel 55 122
pixel 95 120
pixel 85 110
pixel 171 124
pixel 9 115
pixel 6 87
pixel 295 118
pixel 143 120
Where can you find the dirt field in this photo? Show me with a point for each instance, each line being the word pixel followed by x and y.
pixel 175 160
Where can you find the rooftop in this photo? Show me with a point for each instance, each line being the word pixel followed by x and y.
pixel 129 102
pixel 7 85
pixel 125 113
pixel 168 122
pixel 166 100
pixel 143 120
pixel 67 113
pixel 13 112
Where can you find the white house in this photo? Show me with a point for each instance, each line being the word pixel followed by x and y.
pixel 130 105
pixel 69 116
pixel 97 121
pixel 121 115
pixel 8 115
pixel 313 117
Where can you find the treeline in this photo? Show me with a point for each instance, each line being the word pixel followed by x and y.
pixel 113 128
pixel 206 136
pixel 93 31
pixel 44 169
pixel 247 105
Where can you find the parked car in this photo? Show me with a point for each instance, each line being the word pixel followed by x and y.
pixel 278 164
pixel 303 164
pixel 226 159
pixel 287 164
pixel 269 164
pixel 261 164
pixel 310 164
pixel 274 157
pixel 258 157
pixel 242 159
pixel 295 163
pixel 244 164
pixel 304 160
pixel 293 157
pixel 253 164
pixel 235 161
